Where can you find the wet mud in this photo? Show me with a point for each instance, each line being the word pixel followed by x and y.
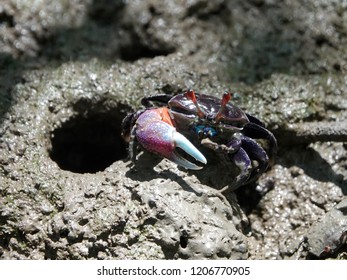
pixel 71 71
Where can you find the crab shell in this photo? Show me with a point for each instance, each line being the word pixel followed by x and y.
pixel 186 114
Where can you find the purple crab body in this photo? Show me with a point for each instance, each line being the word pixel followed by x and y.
pixel 178 127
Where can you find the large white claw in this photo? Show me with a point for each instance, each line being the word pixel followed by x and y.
pixel 183 143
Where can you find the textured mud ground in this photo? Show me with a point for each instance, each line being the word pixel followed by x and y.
pixel 71 70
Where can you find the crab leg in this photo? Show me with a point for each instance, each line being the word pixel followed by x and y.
pixel 256 130
pixel 155 133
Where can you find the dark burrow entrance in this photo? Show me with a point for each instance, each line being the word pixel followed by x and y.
pixel 88 144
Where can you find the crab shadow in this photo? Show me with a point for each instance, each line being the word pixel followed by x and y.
pixel 144 171
pixel 149 167
pixel 313 165
pixel 306 158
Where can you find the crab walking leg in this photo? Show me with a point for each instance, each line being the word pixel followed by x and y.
pixel 155 133
pixel 257 131
pixel 246 150
pixel 242 161
pixel 249 150
pixel 237 155
pixel 255 152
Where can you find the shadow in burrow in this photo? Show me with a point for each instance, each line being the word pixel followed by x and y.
pixel 91 140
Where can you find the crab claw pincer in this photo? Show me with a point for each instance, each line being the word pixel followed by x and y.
pixel 155 133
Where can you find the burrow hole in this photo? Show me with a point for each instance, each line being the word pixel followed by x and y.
pixel 88 144
pixel 138 51
pixel 183 241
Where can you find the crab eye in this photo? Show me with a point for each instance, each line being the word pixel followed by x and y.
pixel 190 94
pixel 225 99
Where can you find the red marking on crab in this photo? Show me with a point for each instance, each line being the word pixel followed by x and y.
pixel 165 115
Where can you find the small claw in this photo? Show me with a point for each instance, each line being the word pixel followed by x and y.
pixel 160 137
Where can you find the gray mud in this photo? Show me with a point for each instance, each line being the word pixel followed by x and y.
pixel 70 71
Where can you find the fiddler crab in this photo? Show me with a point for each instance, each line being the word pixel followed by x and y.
pixel 174 127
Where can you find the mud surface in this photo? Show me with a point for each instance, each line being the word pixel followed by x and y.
pixel 71 70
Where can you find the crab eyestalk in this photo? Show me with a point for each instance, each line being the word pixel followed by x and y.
pixel 190 94
pixel 225 99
